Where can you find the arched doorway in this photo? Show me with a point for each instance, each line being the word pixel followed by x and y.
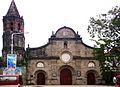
pixel 91 78
pixel 65 77
pixel 40 78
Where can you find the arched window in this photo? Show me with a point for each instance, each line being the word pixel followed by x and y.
pixel 40 65
pixel 11 23
pixel 18 26
pixel 91 64
pixel 11 26
pixel 65 44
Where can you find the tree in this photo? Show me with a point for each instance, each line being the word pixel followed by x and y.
pixel 0 61
pixel 106 28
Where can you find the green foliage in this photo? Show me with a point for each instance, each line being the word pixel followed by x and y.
pixel 106 28
pixel 0 61
pixel 105 69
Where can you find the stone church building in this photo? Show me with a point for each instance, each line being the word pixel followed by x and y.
pixel 64 60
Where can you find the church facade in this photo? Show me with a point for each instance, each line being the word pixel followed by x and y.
pixel 64 60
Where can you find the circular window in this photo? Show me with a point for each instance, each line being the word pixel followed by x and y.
pixel 65 57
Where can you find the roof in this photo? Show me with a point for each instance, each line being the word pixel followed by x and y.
pixel 65 32
pixel 13 10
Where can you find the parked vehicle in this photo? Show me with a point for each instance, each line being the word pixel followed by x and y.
pixel 9 80
pixel 117 81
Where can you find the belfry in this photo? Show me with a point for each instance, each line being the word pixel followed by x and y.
pixel 13 23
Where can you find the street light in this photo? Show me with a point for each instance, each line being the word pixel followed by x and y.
pixel 12 39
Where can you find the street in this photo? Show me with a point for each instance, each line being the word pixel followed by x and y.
pixel 67 86
pixel 58 86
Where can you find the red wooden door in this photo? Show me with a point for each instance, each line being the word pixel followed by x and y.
pixel 65 77
pixel 40 79
pixel 90 78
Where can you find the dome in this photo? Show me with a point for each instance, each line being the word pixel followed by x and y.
pixel 65 32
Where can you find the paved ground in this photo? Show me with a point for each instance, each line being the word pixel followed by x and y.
pixel 59 86
pixel 68 86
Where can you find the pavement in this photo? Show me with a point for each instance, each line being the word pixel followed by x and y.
pixel 66 86
pixel 58 86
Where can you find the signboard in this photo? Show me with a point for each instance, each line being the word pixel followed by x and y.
pixel 9 71
pixel 12 71
pixel 11 60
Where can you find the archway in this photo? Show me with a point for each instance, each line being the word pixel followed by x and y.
pixel 91 78
pixel 40 78
pixel 65 77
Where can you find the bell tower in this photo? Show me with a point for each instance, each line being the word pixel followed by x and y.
pixel 13 24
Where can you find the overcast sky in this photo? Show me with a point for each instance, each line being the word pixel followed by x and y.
pixel 41 17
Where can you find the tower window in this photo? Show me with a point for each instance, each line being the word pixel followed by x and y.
pixel 18 26
pixel 11 26
pixel 11 23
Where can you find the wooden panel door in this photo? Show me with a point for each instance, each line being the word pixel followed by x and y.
pixel 40 79
pixel 65 77
pixel 90 78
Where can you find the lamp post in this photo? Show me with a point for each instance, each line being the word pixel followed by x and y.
pixel 12 39
pixel 27 57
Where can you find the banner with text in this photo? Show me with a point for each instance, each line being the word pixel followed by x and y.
pixel 11 60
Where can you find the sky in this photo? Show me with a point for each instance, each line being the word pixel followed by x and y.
pixel 41 17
